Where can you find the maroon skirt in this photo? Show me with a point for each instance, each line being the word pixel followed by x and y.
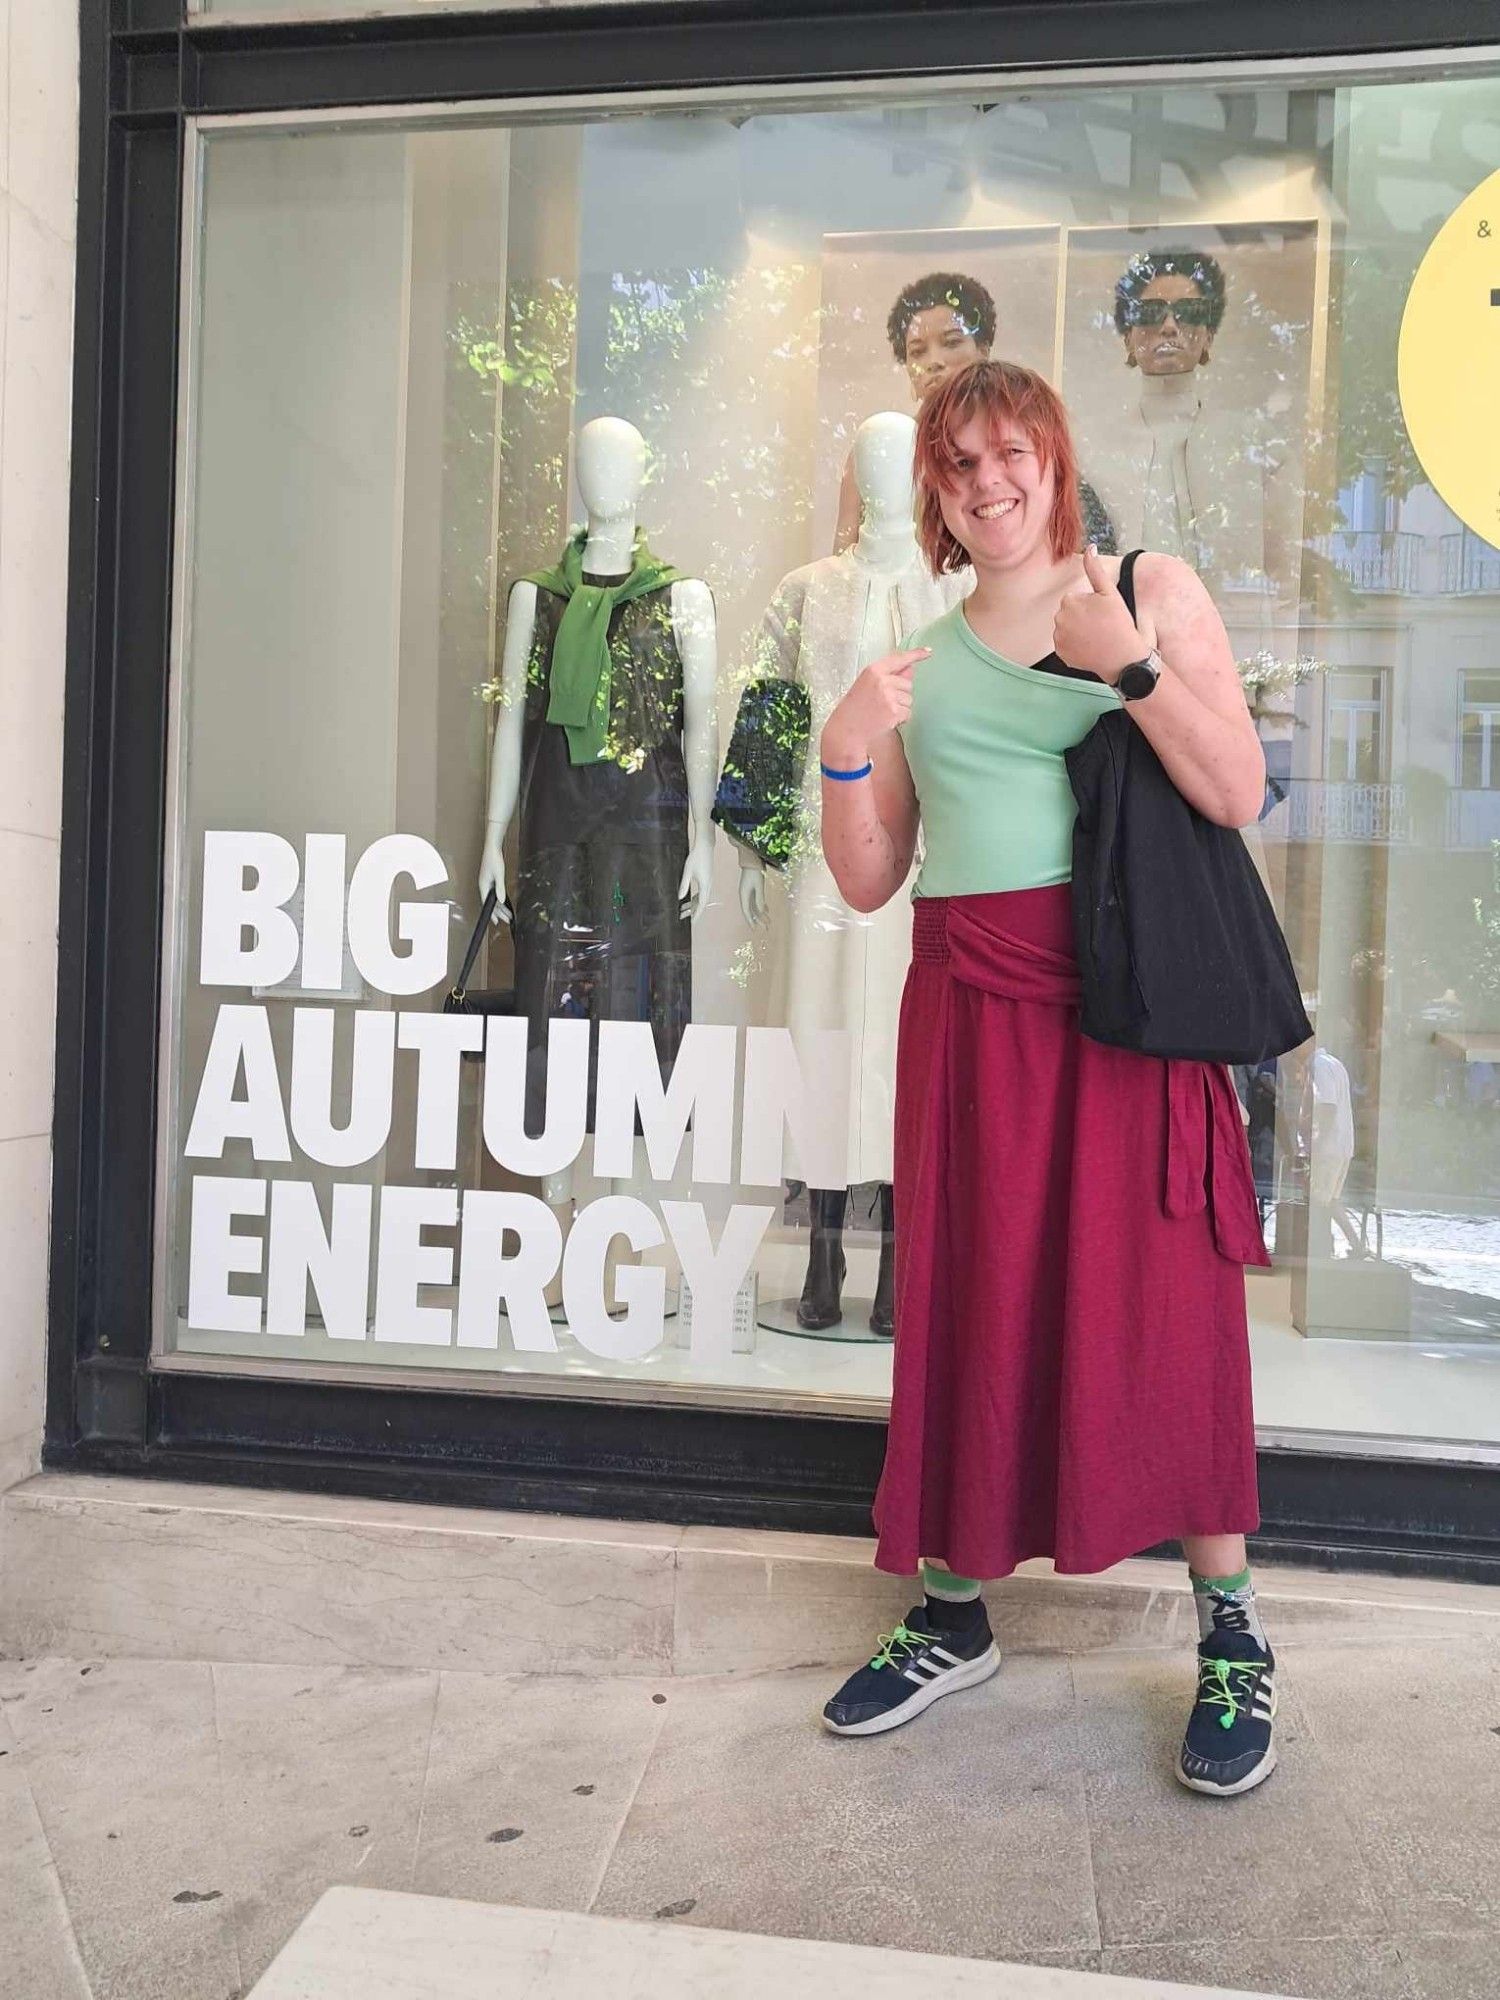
pixel 1072 1370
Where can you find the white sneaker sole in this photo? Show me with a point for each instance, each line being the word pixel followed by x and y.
pixel 970 1674
pixel 1250 1780
pixel 1248 1783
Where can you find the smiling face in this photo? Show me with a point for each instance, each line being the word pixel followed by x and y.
pixel 999 502
pixel 938 345
pixel 1171 346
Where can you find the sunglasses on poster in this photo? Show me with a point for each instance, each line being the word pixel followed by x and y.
pixel 1153 312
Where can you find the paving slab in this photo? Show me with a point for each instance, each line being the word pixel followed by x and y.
pixel 967 1834
pixel 1312 1968
pixel 321 1772
pixel 528 1785
pixel 1413 1737
pixel 1452 1968
pixel 1172 1865
pixel 122 1761
pixel 361 1944
pixel 38 1951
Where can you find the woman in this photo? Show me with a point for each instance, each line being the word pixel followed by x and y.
pixel 1071 1369
pixel 938 326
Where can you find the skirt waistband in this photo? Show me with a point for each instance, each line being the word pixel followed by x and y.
pixel 1017 942
pixel 929 930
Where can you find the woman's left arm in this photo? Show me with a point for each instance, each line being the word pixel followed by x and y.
pixel 1196 718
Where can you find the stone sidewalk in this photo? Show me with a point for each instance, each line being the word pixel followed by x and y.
pixel 166 1824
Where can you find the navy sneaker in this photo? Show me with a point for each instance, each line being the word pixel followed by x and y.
pixel 1228 1747
pixel 913 1668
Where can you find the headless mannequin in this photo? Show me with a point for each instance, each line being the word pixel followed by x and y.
pixel 610 466
pixel 886 546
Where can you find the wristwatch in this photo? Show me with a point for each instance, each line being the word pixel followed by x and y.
pixel 1138 679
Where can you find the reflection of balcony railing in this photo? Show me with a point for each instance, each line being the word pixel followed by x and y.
pixel 1373 558
pixel 1469 564
pixel 1320 809
pixel 1473 818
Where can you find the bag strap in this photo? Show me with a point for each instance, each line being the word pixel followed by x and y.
pixel 1127 591
pixel 461 984
pixel 1127 579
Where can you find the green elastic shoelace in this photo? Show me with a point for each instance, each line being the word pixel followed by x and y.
pixel 1214 1686
pixel 903 1640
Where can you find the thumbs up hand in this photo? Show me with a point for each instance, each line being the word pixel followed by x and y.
pixel 1093 630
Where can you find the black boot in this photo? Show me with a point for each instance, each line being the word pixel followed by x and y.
pixel 820 1305
pixel 883 1312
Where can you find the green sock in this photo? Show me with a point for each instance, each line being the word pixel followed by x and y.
pixel 947 1588
pixel 1226 1603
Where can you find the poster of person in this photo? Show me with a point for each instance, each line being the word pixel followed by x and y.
pixel 904 309
pixel 1186 355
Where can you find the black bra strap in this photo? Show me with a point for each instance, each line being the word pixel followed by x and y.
pixel 1127 579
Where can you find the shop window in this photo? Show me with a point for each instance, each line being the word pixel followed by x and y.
pixel 648 1152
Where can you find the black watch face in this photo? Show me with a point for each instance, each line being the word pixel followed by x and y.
pixel 1137 679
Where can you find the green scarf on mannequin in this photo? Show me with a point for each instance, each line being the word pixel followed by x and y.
pixel 579 697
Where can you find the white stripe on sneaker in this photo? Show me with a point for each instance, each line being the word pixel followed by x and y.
pixel 926 1688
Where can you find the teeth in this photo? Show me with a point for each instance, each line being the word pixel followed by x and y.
pixel 993 509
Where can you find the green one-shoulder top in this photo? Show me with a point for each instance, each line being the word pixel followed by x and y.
pixel 985 747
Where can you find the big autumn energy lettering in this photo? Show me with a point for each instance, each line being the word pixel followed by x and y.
pixel 286 1081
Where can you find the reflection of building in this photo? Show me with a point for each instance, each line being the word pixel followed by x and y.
pixel 1407 713
pixel 1334 809
pixel 1384 844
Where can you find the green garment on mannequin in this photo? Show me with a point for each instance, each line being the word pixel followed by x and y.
pixel 579 696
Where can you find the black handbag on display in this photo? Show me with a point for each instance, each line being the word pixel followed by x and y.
pixel 479 1000
pixel 760 789
pixel 1179 949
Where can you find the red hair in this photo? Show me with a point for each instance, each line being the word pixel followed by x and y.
pixel 1000 393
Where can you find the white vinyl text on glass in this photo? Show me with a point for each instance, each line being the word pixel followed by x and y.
pixel 509 1245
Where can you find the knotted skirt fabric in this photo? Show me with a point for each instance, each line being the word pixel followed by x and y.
pixel 1072 1369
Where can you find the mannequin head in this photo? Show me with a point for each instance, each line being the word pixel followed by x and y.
pixel 996 472
pixel 1168 307
pixel 610 462
pixel 884 449
pixel 938 325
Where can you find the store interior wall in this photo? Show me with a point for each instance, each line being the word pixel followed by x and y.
pixel 38 205
pixel 291 603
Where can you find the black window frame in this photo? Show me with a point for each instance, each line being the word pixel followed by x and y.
pixel 144 73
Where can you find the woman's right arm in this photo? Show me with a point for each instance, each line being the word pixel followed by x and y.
pixel 870 824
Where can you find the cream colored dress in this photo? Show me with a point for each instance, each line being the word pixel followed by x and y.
pixel 837 968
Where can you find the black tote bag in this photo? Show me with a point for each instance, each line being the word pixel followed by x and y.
pixel 1178 946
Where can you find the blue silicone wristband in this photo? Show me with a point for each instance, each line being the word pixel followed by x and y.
pixel 847 777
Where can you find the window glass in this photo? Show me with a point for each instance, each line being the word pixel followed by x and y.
pixel 435 371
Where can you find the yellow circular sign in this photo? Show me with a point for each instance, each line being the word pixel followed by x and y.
pixel 1448 361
